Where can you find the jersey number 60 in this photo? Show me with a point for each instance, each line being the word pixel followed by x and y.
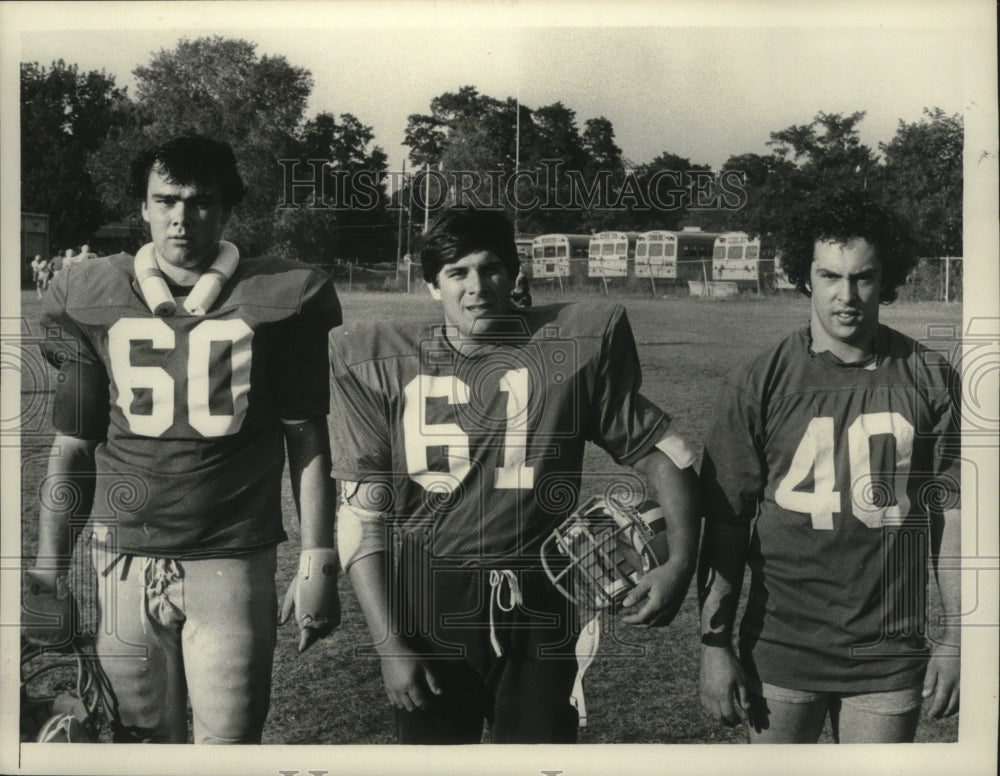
pixel 130 378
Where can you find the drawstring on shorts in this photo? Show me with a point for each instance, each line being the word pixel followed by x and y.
pixel 587 642
pixel 499 579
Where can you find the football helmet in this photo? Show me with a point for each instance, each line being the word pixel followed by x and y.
pixel 65 697
pixel 596 556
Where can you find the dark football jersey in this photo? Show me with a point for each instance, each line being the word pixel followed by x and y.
pixel 483 453
pixel 839 464
pixel 188 407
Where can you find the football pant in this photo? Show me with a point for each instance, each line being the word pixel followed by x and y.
pixel 199 629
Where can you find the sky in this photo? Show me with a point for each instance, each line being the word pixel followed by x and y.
pixel 707 89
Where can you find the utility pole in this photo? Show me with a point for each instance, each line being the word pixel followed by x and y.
pixel 409 217
pixel 427 196
pixel 517 150
pixel 399 234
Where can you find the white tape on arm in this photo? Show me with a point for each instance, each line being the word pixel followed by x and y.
pixel 677 450
pixel 360 533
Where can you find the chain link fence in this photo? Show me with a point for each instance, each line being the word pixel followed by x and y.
pixel 936 279
pixel 933 279
pixel 398 278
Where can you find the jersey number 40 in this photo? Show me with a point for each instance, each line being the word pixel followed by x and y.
pixel 870 503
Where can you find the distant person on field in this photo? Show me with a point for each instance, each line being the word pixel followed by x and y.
pixel 833 470
pixel 86 253
pixel 41 270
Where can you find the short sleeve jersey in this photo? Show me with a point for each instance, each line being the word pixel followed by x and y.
pixel 840 466
pixel 483 452
pixel 189 408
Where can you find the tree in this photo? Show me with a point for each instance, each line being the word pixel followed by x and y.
pixel 604 164
pixel 762 179
pixel 555 151
pixel 346 218
pixel 923 179
pixel 108 165
pixel 217 87
pixel 481 151
pixel 810 163
pixel 221 88
pixel 828 154
pixel 425 138
pixel 757 169
pixel 556 137
pixel 671 184
pixel 573 178
pixel 485 140
pixel 65 117
pixel 428 136
pixel 835 146
pixel 599 144
pixel 465 132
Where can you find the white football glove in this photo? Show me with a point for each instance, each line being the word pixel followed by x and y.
pixel 47 612
pixel 313 596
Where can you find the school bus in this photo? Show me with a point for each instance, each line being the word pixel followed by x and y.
pixel 673 255
pixel 610 254
pixel 737 258
pixel 553 255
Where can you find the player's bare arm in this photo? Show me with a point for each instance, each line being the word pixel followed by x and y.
pixel 313 595
pixel 720 578
pixel 70 470
pixel 409 681
pixel 941 683
pixel 660 593
pixel 70 466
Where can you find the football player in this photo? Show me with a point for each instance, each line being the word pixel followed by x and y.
pixel 460 447
pixel 842 444
pixel 185 371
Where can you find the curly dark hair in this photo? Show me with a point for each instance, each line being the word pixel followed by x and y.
pixel 190 159
pixel 842 217
pixel 462 230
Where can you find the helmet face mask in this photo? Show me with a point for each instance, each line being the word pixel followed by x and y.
pixel 599 553
pixel 64 695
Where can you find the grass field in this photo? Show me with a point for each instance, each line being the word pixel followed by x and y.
pixel 643 686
